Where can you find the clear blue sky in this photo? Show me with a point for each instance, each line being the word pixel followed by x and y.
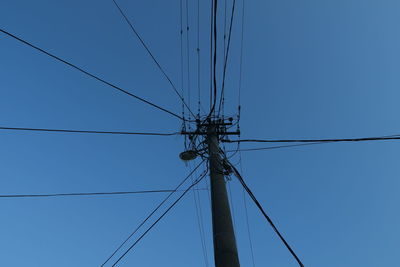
pixel 311 69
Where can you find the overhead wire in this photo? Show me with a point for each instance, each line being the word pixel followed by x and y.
pixel 211 52
pixel 159 219
pixel 84 131
pixel 232 205
pixel 230 198
pixel 362 139
pixel 390 137
pixel 241 60
pixel 259 206
pixel 247 215
pixel 226 57
pixel 90 74
pixel 152 213
pixel 182 71
pixel 128 21
pixel 215 55
pixel 225 11
pixel 234 151
pixel 215 48
pixel 199 217
pixel 198 61
pixel 188 61
pixel 88 193
pixel 274 147
pixel 208 186
pixel 202 225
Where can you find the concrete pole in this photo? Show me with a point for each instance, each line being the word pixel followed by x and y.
pixel 225 250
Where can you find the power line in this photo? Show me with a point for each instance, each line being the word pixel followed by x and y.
pixel 211 50
pixel 151 54
pixel 199 216
pixel 225 8
pixel 248 228
pixel 182 71
pixel 241 59
pixel 275 147
pixel 382 138
pixel 247 214
pixel 226 57
pixel 188 60
pixel 214 33
pixel 84 131
pixel 198 59
pixel 278 147
pixel 250 193
pixel 231 204
pixel 151 213
pixel 162 216
pixel 224 53
pixel 91 75
pixel 88 194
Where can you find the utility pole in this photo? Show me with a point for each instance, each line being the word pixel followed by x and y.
pixel 225 250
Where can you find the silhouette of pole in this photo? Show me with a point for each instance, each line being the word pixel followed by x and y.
pixel 225 249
